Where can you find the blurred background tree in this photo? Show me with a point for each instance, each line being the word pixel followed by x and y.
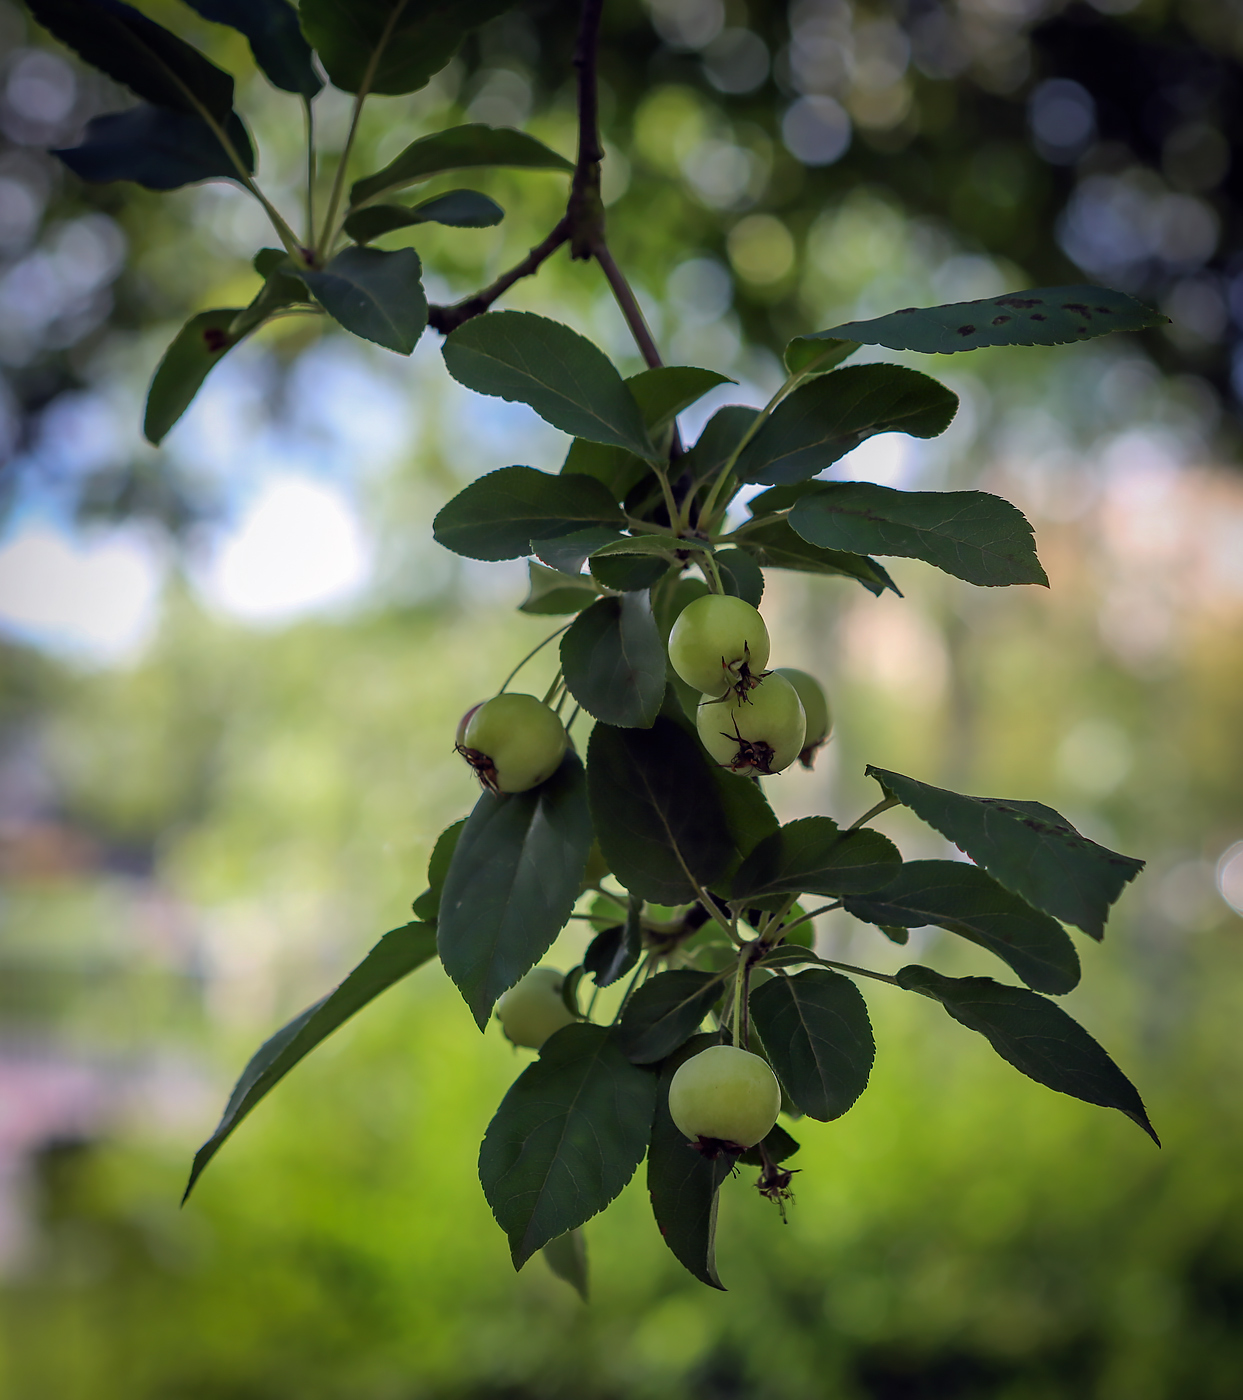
pixel 233 667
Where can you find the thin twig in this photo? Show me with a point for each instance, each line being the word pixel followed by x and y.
pixel 871 812
pixel 448 318
pixel 629 305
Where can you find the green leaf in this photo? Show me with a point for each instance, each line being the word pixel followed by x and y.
pixel 456 148
pixel 198 345
pixel 1028 847
pixel 1036 1036
pixel 396 954
pixel 614 662
pixel 663 393
pixel 271 26
pixel 376 295
pixel 629 573
pixel 455 209
pixel 970 534
pixel 512 883
pixel 812 856
pixel 569 552
pixel 620 471
pixel 816 1031
pixel 776 546
pixel 967 901
pixel 826 417
pixel 613 952
pixel 666 1011
pixel 656 810
pixel 553 593
pixel 427 906
pixel 390 46
pixel 817 354
pixel 683 1183
pixel 566 1138
pixel 566 1256
pixel 282 287
pixel 778 1144
pixel 748 815
pixel 499 515
pixel 741 575
pixel 522 357
pixel 137 52
pixel 1045 316
pixel 156 147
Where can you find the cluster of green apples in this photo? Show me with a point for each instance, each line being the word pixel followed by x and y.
pixel 751 720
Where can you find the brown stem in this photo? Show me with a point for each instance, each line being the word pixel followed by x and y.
pixel 629 305
pixel 448 318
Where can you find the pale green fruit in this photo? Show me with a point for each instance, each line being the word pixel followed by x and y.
pixel 512 742
pixel 533 1009
pixel 727 1094
pixel 760 731
pixel 815 708
pixel 718 642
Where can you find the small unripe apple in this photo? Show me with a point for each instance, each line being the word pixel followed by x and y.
pixel 718 643
pixel 513 742
pixel 725 1095
pixel 760 731
pixel 815 708
pixel 533 1008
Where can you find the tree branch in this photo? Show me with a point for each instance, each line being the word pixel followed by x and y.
pixel 448 318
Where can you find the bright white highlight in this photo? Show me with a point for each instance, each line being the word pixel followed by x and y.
pixel 1230 877
pixel 97 596
pixel 300 547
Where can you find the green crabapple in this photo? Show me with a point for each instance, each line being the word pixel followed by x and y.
pixel 512 742
pixel 533 1008
pixel 719 643
pixel 815 708
pixel 724 1099
pixel 759 732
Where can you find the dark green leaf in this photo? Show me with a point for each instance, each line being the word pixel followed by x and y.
pixel 554 593
pixel 567 1258
pixel 656 810
pixel 135 51
pixel 512 882
pixel 499 515
pixel 566 1138
pixel 569 552
pixel 522 357
pixel 666 1011
pixel 682 1183
pixel 1045 316
pixel 282 287
pixel 969 534
pixel 390 46
pixel 628 573
pixel 816 1031
pixel 613 952
pixel 664 392
pixel 716 444
pixel 741 575
pixel 158 148
pixel 817 354
pixel 748 815
pixel 427 906
pixel 456 148
pixel 967 900
pixel 813 856
pixel 1036 1036
pixel 198 345
pixel 455 208
pixel 393 957
pixel 1028 847
pixel 377 295
pixel 614 662
pixel 619 470
pixel 275 39
pixel 776 546
pixel 826 417
pixel 778 1144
